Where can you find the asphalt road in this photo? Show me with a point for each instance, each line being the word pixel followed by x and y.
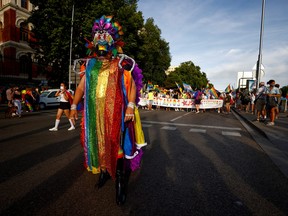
pixel 194 164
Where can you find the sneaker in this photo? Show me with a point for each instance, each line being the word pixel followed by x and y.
pixel 71 128
pixel 270 124
pixel 53 129
pixel 197 112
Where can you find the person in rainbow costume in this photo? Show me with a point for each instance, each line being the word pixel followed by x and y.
pixel 111 134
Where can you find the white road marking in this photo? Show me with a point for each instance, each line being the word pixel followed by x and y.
pixel 197 130
pixel 228 133
pixel 180 117
pixel 146 125
pixel 191 125
pixel 168 128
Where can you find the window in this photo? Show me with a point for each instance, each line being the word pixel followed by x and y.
pixel 23 32
pixel 1 30
pixel 24 64
pixel 24 4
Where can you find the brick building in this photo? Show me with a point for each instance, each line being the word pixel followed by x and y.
pixel 17 58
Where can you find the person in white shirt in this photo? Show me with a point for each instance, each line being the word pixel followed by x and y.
pixel 64 107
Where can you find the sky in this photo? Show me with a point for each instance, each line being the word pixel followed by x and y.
pixel 222 37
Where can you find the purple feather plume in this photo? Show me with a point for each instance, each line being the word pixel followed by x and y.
pixel 137 76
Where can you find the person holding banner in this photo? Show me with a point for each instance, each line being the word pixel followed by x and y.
pixel 197 100
pixel 150 99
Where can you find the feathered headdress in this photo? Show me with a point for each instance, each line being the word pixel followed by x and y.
pixel 106 35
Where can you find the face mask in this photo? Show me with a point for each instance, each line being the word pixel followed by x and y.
pixel 272 85
pixel 62 87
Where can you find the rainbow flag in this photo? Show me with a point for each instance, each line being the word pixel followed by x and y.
pixel 180 89
pixel 150 86
pixel 213 91
pixel 228 88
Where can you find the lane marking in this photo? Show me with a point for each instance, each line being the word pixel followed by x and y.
pixel 180 117
pixel 197 130
pixel 176 118
pixel 228 133
pixel 168 128
pixel 192 125
pixel 146 125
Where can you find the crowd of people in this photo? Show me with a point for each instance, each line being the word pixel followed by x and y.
pixel 24 99
pixel 264 101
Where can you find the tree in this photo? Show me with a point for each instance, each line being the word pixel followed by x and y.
pixel 189 73
pixel 52 23
pixel 154 55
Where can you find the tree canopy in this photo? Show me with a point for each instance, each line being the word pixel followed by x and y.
pixel 51 21
pixel 188 73
pixel 52 27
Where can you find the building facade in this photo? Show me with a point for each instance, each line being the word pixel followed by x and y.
pixel 17 58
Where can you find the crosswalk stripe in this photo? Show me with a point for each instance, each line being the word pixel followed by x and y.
pixel 168 128
pixel 146 125
pixel 197 130
pixel 192 125
pixel 229 133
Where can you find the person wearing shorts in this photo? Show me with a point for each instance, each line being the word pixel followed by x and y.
pixel 64 107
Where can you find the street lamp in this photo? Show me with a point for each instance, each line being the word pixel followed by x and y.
pixel 71 39
pixel 259 62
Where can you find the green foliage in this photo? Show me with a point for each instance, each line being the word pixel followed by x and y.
pixel 188 73
pixel 52 28
pixel 154 55
pixel 284 91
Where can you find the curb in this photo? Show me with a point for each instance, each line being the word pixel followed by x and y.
pixel 277 156
pixel 251 124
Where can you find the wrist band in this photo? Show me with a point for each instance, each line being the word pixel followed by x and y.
pixel 73 107
pixel 131 105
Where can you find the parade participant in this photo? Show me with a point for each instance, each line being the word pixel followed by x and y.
pixel 260 101
pixel 65 98
pixel 272 94
pixel 150 99
pixel 198 98
pixel 111 134
pixel 9 96
pixel 227 102
pixel 17 101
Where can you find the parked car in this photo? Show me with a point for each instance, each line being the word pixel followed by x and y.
pixel 48 99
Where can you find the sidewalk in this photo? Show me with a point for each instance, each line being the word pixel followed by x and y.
pixel 272 139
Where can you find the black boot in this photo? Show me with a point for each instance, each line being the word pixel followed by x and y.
pixel 103 177
pixel 120 183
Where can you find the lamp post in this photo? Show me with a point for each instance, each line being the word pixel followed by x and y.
pixel 259 62
pixel 71 39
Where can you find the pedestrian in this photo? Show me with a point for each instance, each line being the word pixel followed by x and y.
pixel 278 102
pixel 9 96
pixel 227 101
pixel 17 101
pixel 245 99
pixel 197 99
pixel 260 101
pixel 111 134
pixel 150 99
pixel 252 99
pixel 272 94
pixel 64 107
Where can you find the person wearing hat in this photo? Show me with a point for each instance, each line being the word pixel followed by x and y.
pixel 260 101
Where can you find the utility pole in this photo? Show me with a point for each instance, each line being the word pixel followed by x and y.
pixel 259 62
pixel 71 39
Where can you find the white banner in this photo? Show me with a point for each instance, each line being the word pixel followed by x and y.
pixel 182 103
